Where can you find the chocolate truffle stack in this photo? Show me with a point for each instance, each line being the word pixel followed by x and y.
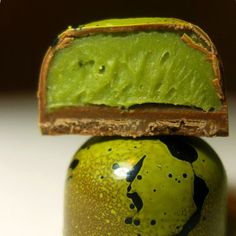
pixel 153 84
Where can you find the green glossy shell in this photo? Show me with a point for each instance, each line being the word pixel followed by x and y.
pixel 145 187
pixel 135 21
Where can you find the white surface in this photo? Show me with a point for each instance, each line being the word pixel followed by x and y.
pixel 33 168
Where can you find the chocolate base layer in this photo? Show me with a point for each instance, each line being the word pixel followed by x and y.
pixel 141 120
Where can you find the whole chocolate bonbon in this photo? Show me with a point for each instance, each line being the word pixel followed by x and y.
pixel 163 186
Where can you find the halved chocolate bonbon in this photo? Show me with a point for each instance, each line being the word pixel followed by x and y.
pixel 133 77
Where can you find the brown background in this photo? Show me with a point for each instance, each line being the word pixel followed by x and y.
pixel 27 27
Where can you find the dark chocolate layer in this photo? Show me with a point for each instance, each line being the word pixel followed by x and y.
pixel 143 120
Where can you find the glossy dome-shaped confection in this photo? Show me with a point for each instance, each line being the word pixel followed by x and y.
pixel 165 186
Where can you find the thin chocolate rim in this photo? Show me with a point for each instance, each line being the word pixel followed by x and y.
pixel 175 120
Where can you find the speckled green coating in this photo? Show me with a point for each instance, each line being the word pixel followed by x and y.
pixel 145 187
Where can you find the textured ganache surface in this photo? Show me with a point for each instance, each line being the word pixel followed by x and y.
pixel 160 186
pixel 127 69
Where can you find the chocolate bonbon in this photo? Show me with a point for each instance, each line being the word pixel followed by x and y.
pixel 165 186
pixel 133 77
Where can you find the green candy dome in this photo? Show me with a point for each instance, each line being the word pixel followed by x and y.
pixel 164 186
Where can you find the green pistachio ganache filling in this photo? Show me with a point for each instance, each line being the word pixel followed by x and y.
pixel 126 69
